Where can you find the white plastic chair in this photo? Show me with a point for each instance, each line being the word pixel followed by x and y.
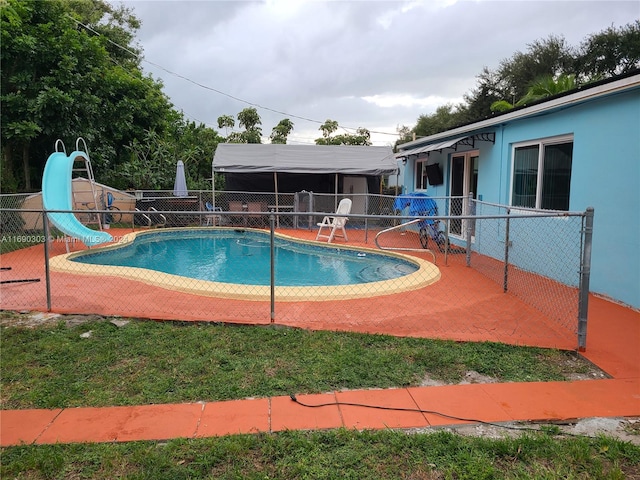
pixel 336 224
pixel 212 218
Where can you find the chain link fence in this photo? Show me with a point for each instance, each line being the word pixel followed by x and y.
pixel 468 270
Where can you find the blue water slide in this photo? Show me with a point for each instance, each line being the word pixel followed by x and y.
pixel 57 194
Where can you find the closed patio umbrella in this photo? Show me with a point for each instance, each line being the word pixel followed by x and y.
pixel 180 185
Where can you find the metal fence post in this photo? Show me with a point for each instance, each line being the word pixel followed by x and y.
pixel 273 265
pixel 47 277
pixel 585 273
pixel 505 278
pixel 446 242
pixel 468 228
pixel 366 220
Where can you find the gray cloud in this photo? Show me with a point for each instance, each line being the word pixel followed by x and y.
pixel 320 60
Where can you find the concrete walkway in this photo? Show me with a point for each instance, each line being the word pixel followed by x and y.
pixel 613 341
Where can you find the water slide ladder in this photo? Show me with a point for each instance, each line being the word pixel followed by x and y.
pixel 87 170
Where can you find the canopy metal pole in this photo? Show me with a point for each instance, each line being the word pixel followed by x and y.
pixel 335 198
pixel 275 187
pixel 213 187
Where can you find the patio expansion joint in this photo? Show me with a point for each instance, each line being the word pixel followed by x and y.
pixel 335 399
pixel 422 412
pixel 195 432
pixel 35 440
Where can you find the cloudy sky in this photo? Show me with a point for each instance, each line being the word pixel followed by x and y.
pixel 371 64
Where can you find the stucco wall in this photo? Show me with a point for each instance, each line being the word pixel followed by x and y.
pixel 605 175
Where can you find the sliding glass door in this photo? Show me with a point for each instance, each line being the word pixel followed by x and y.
pixel 464 179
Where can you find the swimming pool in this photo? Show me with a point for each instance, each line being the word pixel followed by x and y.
pixel 222 261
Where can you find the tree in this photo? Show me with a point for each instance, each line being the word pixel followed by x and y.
pixel 195 145
pixel 404 132
pixel 226 122
pixel 361 137
pixel 543 87
pixel 327 128
pixel 610 52
pixel 547 86
pixel 444 118
pixel 61 81
pixel 550 57
pixel 119 29
pixel 280 132
pixel 477 103
pixel 43 86
pixel 547 67
pixel 513 78
pixel 250 120
pixel 152 160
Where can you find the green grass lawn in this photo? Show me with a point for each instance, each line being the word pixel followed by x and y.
pixel 166 362
pixel 335 454
pixel 97 363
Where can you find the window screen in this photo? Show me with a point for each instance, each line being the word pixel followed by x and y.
pixel 542 175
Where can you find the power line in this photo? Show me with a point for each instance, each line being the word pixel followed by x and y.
pixel 206 87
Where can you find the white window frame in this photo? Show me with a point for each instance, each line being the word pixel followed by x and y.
pixel 541 143
pixel 422 163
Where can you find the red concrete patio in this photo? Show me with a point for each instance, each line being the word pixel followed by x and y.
pixel 613 338
pixel 481 312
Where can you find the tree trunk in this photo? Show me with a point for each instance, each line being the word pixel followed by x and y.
pixel 25 166
pixel 7 175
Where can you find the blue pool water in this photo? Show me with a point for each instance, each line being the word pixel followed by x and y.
pixel 243 257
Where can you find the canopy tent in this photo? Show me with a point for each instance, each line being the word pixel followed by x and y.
pixel 303 165
pixel 315 159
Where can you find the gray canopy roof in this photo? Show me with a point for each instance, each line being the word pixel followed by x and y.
pixel 345 159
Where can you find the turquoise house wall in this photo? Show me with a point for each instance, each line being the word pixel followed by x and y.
pixel 605 175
